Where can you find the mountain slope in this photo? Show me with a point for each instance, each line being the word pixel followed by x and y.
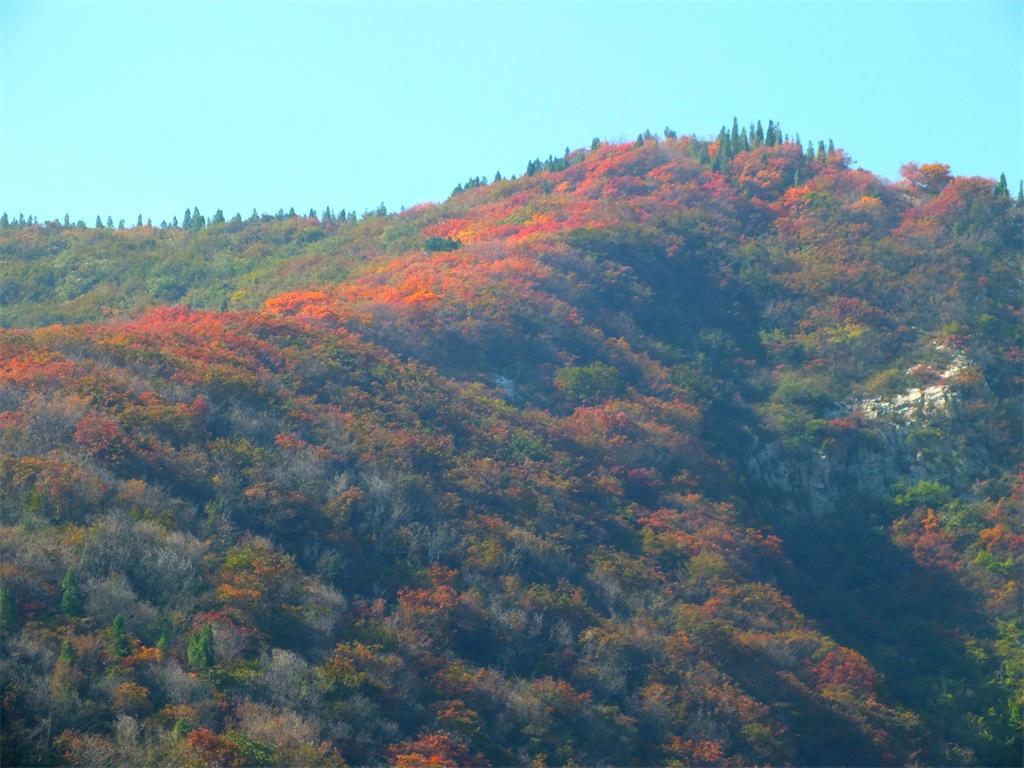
pixel 665 453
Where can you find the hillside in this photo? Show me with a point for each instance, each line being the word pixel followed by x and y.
pixel 667 453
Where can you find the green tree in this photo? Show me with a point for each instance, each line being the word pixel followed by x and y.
pixel 71 603
pixel 119 642
pixel 186 222
pixel 8 613
pixel 218 217
pixel 138 222
pixel 200 649
pixel 1002 189
pixel 99 222
pixel 1020 195
pixel 590 383
pixel 110 222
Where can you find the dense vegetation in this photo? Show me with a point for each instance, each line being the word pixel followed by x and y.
pixel 531 476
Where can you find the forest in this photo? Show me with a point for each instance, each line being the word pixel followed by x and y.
pixel 673 452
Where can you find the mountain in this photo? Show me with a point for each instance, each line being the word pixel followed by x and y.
pixel 667 453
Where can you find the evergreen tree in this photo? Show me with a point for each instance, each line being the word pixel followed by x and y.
pixel 821 152
pixel 312 214
pixel 186 221
pixel 734 137
pixel 760 135
pixel 200 649
pixel 254 216
pixel 327 216
pixel 1002 189
pixel 744 140
pixel 67 652
pixel 163 643
pixel 595 143
pixel 810 150
pixel 639 140
pixel 99 222
pixel 139 222
pixel 198 222
pixel 71 603
pixel 119 642
pixel 67 220
pixel 8 612
pixel 670 134
pixel 831 151
pixel 174 222
pixel 291 213
pixel 769 137
pixel 110 222
pixel 218 217
pixel 120 224
pixel 497 177
pixel 1020 195
pixel 149 222
pixel 4 222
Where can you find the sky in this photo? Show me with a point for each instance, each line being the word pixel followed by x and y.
pixel 124 108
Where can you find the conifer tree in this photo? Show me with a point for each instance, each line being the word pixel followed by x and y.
pixel 200 649
pixel 119 637
pixel 174 222
pixel 139 222
pixel 67 220
pixel 769 136
pixel 99 222
pixel 8 613
pixel 1020 195
pixel 327 216
pixel 186 221
pixel 218 217
pixel 821 152
pixel 4 222
pixel 831 151
pixel 110 222
pixel 744 140
pixel 760 134
pixel 1002 189
pixel 71 603
pixel 734 137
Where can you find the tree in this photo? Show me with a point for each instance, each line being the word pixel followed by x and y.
pixel 4 223
pixel 99 222
pixel 254 216
pixel 186 222
pixel 110 222
pixel 218 217
pixel 67 220
pixel 595 143
pixel 200 649
pixel 71 603
pixel 8 613
pixel 1002 190
pixel 139 222
pixel 119 642
pixel 1020 195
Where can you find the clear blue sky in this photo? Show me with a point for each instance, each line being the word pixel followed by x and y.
pixel 122 108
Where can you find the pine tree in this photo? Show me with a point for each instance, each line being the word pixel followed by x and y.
pixel 1002 190
pixel 99 222
pixel 1020 195
pixel 8 612
pixel 760 134
pixel 186 222
pixel 71 603
pixel 139 222
pixel 831 151
pixel 67 652
pixel 67 220
pixel 110 222
pixel 734 137
pixel 200 649
pixel 769 137
pixel 497 177
pixel 120 224
pixel 327 216
pixel 4 221
pixel 119 642
pixel 218 217
pixel 174 222
pixel 744 140
pixel 821 152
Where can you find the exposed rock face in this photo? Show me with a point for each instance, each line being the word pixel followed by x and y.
pixel 898 439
